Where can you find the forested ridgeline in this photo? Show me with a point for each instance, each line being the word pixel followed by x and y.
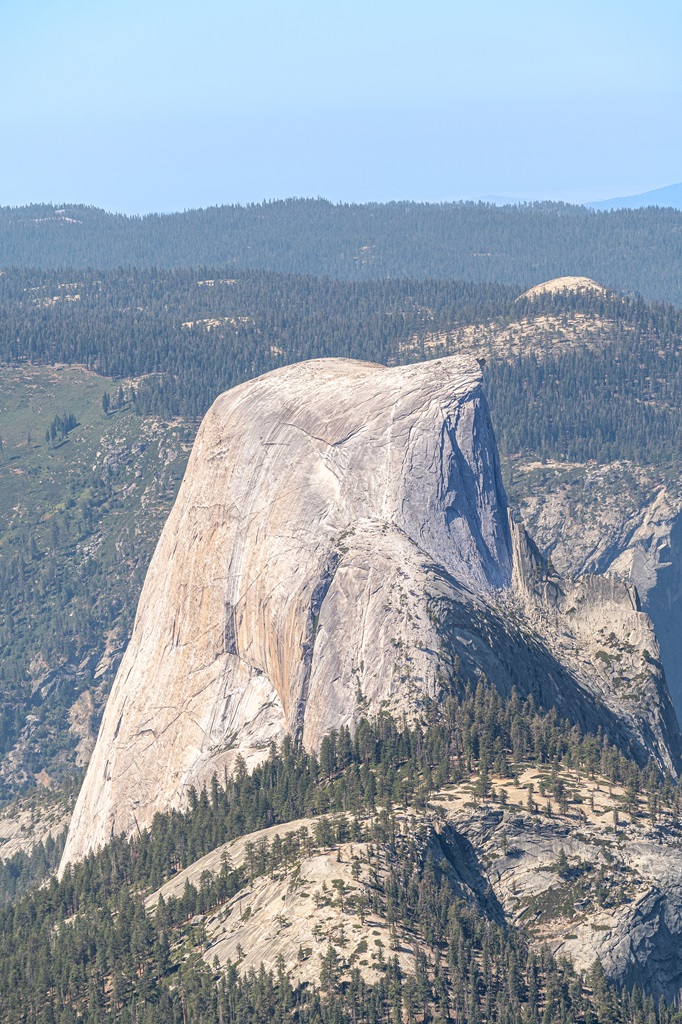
pixel 618 397
pixel 630 250
pixel 189 335
pixel 204 331
pixel 84 948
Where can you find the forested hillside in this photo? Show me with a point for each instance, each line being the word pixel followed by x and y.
pixel 79 517
pixel 186 336
pixel 191 334
pixel 90 948
pixel 629 250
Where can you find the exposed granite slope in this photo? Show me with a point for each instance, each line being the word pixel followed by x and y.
pixel 563 873
pixel 341 545
pixel 311 495
pixel 595 628
pixel 564 284
pixel 289 913
pixel 618 896
pixel 618 518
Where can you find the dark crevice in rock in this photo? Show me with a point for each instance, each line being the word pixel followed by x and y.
pixel 664 606
pixel 230 644
pixel 319 593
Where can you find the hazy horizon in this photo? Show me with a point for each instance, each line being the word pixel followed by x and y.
pixel 497 200
pixel 165 107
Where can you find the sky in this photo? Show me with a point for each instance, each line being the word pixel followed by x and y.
pixel 160 106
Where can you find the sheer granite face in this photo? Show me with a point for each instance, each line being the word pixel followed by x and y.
pixel 340 546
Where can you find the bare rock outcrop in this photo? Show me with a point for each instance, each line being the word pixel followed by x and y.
pixel 564 284
pixel 595 627
pixel 340 546
pixel 620 518
pixel 578 885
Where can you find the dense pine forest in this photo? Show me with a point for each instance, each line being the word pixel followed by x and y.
pixel 186 336
pixel 86 948
pixel 630 250
pixel 196 333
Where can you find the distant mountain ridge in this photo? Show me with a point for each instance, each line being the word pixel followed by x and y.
pixel 669 196
pixel 633 251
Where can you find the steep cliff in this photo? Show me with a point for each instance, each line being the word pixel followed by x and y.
pixel 341 546
pixel 619 518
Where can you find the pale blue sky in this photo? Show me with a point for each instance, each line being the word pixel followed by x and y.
pixel 163 106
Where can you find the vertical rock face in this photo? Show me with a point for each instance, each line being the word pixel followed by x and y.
pixel 596 629
pixel 340 545
pixel 619 519
pixel 310 494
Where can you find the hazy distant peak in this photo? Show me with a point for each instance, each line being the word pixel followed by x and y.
pixel 564 284
pixel 669 196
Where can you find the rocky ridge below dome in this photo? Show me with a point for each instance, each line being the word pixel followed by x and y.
pixel 579 864
pixel 341 547
pixel 618 518
pixel 592 874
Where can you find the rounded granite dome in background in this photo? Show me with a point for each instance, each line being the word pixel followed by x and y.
pixel 563 284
